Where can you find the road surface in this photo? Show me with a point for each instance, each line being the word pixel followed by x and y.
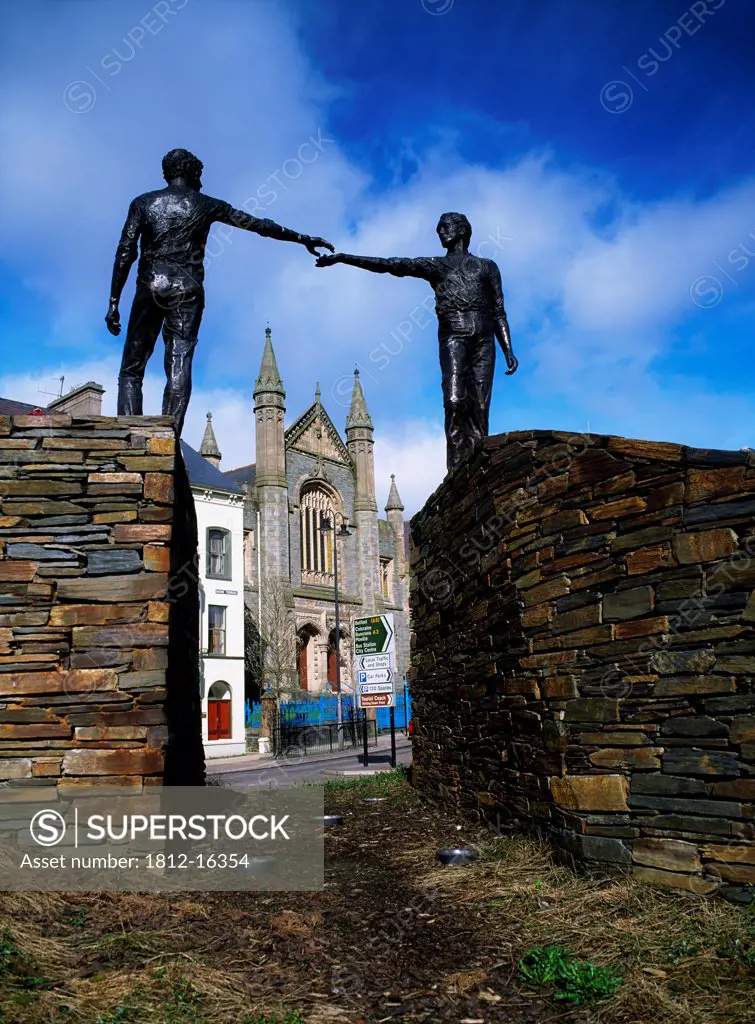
pixel 291 773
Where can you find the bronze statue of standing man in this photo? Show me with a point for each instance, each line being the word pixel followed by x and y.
pixel 471 318
pixel 173 224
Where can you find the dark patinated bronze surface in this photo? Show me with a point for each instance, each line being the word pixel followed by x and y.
pixel 471 317
pixel 172 225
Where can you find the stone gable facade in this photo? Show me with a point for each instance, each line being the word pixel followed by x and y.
pixel 307 474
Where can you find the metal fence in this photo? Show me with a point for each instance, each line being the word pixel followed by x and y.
pixel 292 739
pixel 252 716
pixel 324 710
pixel 402 713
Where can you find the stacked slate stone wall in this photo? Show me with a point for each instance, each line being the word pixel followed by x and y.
pixel 99 653
pixel 583 651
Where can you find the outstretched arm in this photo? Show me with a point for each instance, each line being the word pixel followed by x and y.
pixel 269 229
pixel 398 266
pixel 125 255
pixel 502 333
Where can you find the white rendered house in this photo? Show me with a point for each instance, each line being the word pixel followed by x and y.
pixel 219 504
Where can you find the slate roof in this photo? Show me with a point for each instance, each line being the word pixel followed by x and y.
pixel 203 474
pixel 10 408
pixel 242 475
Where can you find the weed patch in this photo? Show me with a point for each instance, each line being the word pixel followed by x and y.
pixel 574 981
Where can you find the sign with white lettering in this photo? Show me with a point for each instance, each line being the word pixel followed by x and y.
pixel 375 700
pixel 374 635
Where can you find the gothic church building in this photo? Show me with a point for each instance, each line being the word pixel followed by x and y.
pixel 307 475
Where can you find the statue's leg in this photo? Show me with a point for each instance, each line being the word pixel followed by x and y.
pixel 453 366
pixel 144 323
pixel 181 333
pixel 481 370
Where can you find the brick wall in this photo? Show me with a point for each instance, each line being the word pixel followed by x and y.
pixel 99 658
pixel 583 651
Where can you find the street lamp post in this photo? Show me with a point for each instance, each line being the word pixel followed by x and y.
pixel 326 527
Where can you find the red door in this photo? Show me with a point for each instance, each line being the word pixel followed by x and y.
pixel 218 719
pixel 332 674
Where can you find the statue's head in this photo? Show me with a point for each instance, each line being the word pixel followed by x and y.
pixel 180 163
pixel 452 227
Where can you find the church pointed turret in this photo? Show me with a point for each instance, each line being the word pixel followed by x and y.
pixel 358 414
pixel 269 379
pixel 269 409
pixel 209 447
pixel 394 502
pixel 359 441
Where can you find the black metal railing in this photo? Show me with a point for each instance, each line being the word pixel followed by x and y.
pixel 291 740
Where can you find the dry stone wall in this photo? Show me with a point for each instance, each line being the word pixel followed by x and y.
pixel 99 665
pixel 583 651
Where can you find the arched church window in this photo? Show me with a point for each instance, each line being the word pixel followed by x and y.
pixel 316 545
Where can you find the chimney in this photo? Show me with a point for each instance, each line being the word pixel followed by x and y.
pixel 83 401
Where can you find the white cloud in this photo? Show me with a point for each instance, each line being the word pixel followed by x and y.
pixel 416 453
pixel 642 276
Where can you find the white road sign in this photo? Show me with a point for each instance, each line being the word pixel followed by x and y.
pixel 373 664
pixel 377 675
pixel 366 662
pixel 376 688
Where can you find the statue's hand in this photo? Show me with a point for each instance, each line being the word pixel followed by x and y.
pixel 313 243
pixel 512 362
pixel 328 261
pixel 113 319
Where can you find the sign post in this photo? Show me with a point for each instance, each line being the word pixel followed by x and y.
pixel 374 672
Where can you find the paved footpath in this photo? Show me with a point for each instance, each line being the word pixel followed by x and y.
pixel 262 770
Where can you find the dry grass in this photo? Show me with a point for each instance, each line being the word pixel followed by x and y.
pixel 663 943
pixel 414 942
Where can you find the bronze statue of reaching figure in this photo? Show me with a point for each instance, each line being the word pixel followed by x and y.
pixel 471 317
pixel 173 224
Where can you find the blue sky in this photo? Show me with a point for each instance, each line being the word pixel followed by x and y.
pixel 603 152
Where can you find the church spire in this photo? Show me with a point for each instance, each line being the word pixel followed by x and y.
pixel 209 446
pixel 269 380
pixel 358 414
pixel 394 502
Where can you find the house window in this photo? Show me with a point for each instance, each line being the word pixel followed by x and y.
pixel 386 572
pixel 216 624
pixel 219 553
pixel 316 546
pixel 249 556
pixel 219 712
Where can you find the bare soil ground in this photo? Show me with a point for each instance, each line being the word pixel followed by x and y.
pixel 393 937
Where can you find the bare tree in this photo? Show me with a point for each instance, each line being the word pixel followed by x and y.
pixel 253 674
pixel 271 647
